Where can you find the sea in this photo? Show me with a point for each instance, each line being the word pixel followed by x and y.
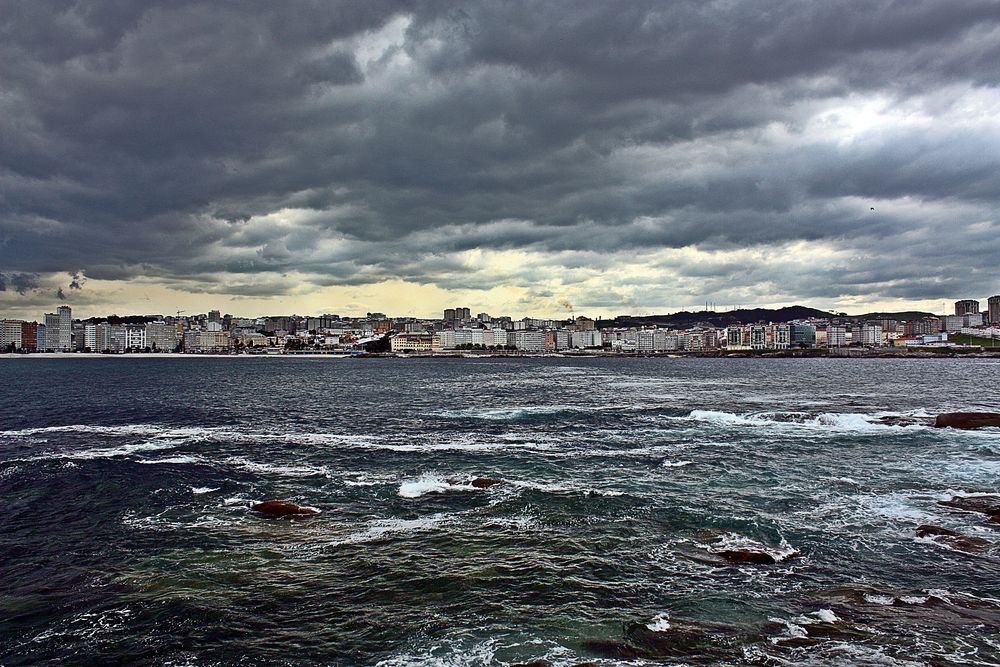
pixel 127 534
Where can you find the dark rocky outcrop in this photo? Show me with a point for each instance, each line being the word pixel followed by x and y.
pixel 751 556
pixel 609 648
pixel 955 540
pixel 967 420
pixel 282 509
pixel 485 482
pixel 986 504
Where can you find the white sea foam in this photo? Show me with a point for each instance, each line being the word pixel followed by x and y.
pixel 660 622
pixel 200 490
pixel 104 452
pixel 827 422
pixel 381 528
pixel 676 464
pixel 277 469
pixel 178 460
pixel 429 483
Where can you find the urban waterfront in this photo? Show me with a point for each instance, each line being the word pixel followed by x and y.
pixel 619 483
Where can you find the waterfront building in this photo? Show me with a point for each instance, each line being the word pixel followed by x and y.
pixel 871 334
pixel 966 307
pixel 926 325
pixel 585 338
pixel 803 335
pixel 953 323
pixel 59 330
pixel 135 337
pixel 10 334
pixel 90 337
pixel 41 338
pixel 993 309
pixel 836 336
pixel 781 336
pixel 160 336
pixel 413 342
pixel 529 340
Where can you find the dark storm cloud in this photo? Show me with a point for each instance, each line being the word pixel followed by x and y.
pixel 165 140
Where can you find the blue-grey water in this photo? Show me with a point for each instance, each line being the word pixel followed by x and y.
pixel 126 535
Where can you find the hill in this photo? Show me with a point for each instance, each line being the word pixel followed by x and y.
pixel 685 318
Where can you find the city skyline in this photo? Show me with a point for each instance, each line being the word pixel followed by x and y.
pixel 541 158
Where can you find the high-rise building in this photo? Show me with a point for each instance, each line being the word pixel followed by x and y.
pixel 993 309
pixel 836 336
pixel 966 307
pixel 449 314
pixel 161 337
pixel 463 314
pixel 10 334
pixel 59 330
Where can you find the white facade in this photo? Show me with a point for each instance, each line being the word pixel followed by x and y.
pixel 527 341
pixel 836 336
pixel 871 334
pixel 586 338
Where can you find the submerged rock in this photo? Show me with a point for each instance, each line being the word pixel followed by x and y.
pixel 282 508
pixel 955 540
pixel 967 420
pixel 610 648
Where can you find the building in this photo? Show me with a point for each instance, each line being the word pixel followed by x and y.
pixel 921 327
pixel 59 330
pixel 953 323
pixel 993 309
pixel 528 340
pixel 836 336
pixel 161 337
pixel 803 335
pixel 966 307
pixel 871 334
pixel 412 342
pixel 585 338
pixel 10 334
pixel 449 314
pixel 135 337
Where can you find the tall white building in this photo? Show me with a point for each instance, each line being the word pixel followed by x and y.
pixel 836 336
pixel 59 330
pixel 871 334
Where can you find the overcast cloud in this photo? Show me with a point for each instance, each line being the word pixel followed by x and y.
pixel 637 156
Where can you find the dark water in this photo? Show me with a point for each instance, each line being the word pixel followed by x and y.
pixel 126 537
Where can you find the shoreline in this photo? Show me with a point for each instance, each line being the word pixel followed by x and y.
pixel 846 353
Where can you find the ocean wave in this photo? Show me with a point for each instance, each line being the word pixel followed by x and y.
pixel 427 484
pixel 675 464
pixel 381 528
pixel 514 413
pixel 102 452
pixel 856 422
pixel 247 465
pixel 201 490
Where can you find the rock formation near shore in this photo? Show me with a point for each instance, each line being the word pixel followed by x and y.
pixel 967 420
pixel 282 509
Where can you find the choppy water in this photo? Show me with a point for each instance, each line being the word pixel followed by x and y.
pixel 126 536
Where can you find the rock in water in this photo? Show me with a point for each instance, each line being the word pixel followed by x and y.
pixel 985 504
pixel 748 556
pixel 485 482
pixel 950 538
pixel 282 508
pixel 967 420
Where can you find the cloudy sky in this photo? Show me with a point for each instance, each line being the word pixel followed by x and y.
pixel 514 157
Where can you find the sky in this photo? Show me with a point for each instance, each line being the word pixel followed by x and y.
pixel 522 158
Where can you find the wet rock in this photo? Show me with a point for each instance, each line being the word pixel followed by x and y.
pixel 900 420
pixel 282 508
pixel 751 556
pixel 950 538
pixel 985 504
pixel 967 420
pixel 485 482
pixel 609 648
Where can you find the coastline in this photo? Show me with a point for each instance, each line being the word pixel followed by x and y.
pixel 844 353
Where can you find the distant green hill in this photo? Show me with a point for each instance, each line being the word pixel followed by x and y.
pixel 684 318
pixel 900 316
